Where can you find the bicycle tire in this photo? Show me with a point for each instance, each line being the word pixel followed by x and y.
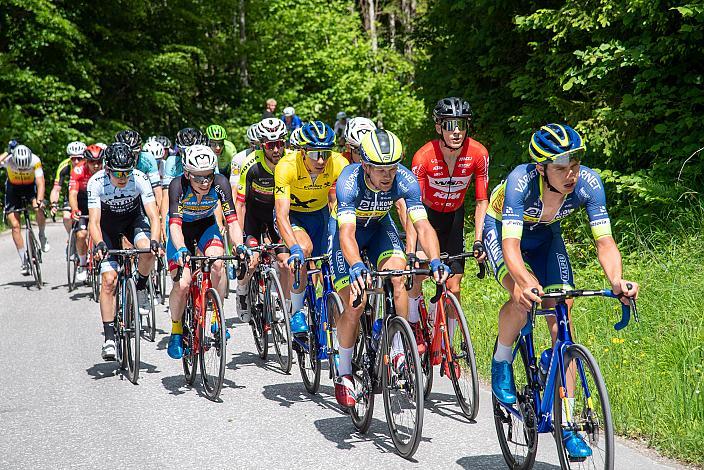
pixel 466 385
pixel 71 260
pixel 362 365
pixel 94 276
pixel 35 258
pixel 190 354
pixel 162 279
pixel 213 345
pixel 257 322
pixel 528 432
pixel 308 361
pixel 226 264
pixel 335 310
pixel 117 328
pixel 150 330
pixel 280 330
pixel 599 431
pixel 410 386
pixel 425 358
pixel 131 330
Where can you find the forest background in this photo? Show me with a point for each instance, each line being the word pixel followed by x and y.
pixel 627 74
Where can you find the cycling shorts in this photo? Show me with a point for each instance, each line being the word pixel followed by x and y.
pixel 201 234
pixel 450 229
pixel 543 251
pixel 18 196
pixel 257 224
pixel 315 224
pixel 381 240
pixel 134 228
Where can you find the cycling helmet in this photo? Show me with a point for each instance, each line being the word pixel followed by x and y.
pixel 75 148
pixel 380 147
pixel 155 149
pixel 199 158
pixel 131 138
pixel 271 129
pixel 252 134
pixel 162 139
pixel 289 111
pixel 22 156
pixel 452 107
pixel 119 157
pixel 93 153
pixel 190 136
pixel 296 140
pixel 215 132
pixel 102 145
pixel 356 128
pixel 317 135
pixel 553 141
pixel 341 115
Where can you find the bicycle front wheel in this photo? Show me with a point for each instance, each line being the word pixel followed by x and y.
pixel 585 411
pixel 426 359
pixel 258 321
pixel 190 353
pixel 35 258
pixel 362 360
pixel 308 362
pixel 71 260
pixel 130 312
pixel 464 373
pixel 212 345
pixel 150 327
pixel 403 388
pixel 162 273
pixel 280 323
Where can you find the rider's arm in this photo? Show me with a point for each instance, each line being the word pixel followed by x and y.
pixel 481 190
pixel 348 243
pixel 41 185
pixel 4 156
pixel 479 214
pixel 94 188
pixel 149 203
pixel 428 238
pixel 610 260
pixel 73 200
pixel 157 197
pixel 402 212
pixel 228 209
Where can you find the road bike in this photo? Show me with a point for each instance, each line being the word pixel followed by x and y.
pixel 72 259
pixel 322 311
pixel 93 267
pixel 33 252
pixel 204 330
pixel 548 401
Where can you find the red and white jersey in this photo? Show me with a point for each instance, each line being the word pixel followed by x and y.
pixel 80 175
pixel 443 192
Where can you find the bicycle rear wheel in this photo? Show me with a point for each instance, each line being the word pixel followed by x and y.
pixel 162 273
pixel 258 321
pixel 150 328
pixel 362 366
pixel 212 345
pixel 280 329
pixel 35 259
pixel 131 330
pixel 93 274
pixel 518 437
pixel 464 376
pixel 589 415
pixel 335 310
pixel 71 260
pixel 308 361
pixel 190 353
pixel 403 390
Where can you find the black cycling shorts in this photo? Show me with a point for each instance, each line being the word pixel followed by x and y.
pixel 133 227
pixel 17 197
pixel 450 229
pixel 261 222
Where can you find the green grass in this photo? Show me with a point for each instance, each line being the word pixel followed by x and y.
pixel 654 370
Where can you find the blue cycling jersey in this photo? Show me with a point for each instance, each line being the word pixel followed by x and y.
pixel 517 201
pixel 147 164
pixel 358 203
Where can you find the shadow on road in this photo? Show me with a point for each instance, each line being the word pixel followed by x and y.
pixel 26 284
pixel 102 370
pixel 288 394
pixel 495 461
pixel 79 295
pixel 445 405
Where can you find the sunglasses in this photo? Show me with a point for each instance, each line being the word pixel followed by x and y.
pixel 217 143
pixel 570 156
pixel 392 166
pixel 204 179
pixel 274 144
pixel 451 124
pixel 121 174
pixel 318 154
pixel 76 159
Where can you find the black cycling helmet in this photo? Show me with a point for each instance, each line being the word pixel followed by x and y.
pixel 119 157
pixel 190 136
pixel 163 140
pixel 131 138
pixel 453 107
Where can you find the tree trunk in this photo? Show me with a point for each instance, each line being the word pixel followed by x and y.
pixel 244 72
pixel 371 4
pixel 392 28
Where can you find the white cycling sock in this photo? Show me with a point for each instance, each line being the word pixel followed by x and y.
pixel 21 253
pixel 82 260
pixel 413 312
pixel 345 365
pixel 503 353
pixel 241 288
pixel 297 301
pixel 570 403
pixel 396 344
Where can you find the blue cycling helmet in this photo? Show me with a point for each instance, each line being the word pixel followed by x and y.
pixel 317 135
pixel 554 141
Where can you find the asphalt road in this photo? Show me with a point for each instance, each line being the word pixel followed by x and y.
pixel 61 406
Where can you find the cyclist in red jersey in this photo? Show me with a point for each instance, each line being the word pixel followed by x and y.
pixel 444 168
pixel 78 200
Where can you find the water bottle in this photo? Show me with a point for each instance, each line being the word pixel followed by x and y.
pixel 376 333
pixel 544 365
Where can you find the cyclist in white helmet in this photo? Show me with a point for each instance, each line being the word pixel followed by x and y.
pixel 354 131
pixel 74 150
pixel 240 157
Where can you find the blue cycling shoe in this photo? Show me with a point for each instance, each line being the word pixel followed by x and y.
pixel 502 385
pixel 298 323
pixel 577 448
pixel 175 348
pixel 214 330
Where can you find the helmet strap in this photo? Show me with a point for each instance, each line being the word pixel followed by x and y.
pixel 547 181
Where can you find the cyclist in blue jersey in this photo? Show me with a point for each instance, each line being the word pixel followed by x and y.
pixel 537 196
pixel 365 193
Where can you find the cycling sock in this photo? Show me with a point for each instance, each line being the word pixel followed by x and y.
pixel 345 366
pixel 241 288
pixel 297 301
pixel 503 353
pixel 570 403
pixel 413 313
pixel 82 259
pixel 142 281
pixel 176 327
pixel 397 344
pixel 108 331
pixel 21 253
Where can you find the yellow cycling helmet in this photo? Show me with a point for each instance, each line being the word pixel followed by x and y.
pixel 381 147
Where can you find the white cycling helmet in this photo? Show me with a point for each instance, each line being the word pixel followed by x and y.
pixel 252 134
pixel 289 111
pixel 356 128
pixel 295 139
pixel 102 145
pixel 154 148
pixel 271 129
pixel 22 156
pixel 76 148
pixel 341 115
pixel 199 158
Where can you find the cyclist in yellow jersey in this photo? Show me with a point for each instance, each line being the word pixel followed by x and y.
pixel 303 182
pixel 25 183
